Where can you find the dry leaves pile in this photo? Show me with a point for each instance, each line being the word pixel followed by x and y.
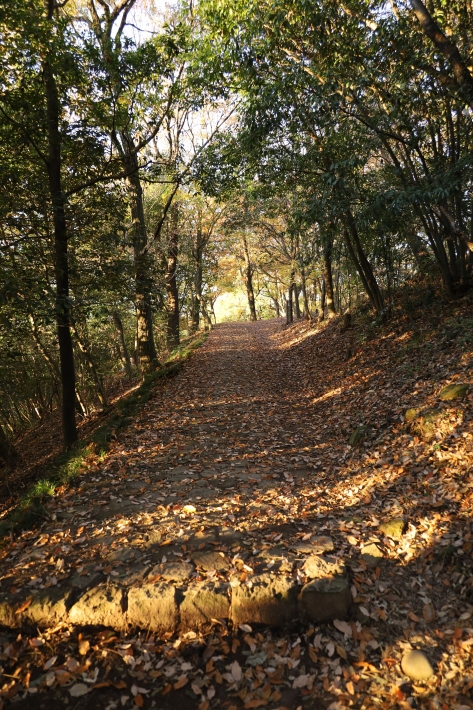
pixel 236 467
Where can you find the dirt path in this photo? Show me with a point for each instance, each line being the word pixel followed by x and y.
pixel 211 466
pixel 233 501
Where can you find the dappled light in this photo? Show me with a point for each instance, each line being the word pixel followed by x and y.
pixel 236 355
pixel 248 483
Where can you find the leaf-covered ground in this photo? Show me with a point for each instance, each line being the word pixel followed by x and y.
pixel 233 469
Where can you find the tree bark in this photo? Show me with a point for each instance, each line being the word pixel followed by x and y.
pixel 146 347
pixel 328 280
pixel 197 295
pixel 323 293
pixel 61 264
pixel 304 294
pixel 121 334
pixel 248 278
pixel 289 314
pixel 7 451
pixel 172 307
pixel 297 308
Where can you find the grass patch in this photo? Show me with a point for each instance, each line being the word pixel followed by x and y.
pixel 67 467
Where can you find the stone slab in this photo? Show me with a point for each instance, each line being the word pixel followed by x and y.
pixel 210 559
pixel 326 599
pixel 202 603
pixel 153 607
pixel 100 606
pixel 47 608
pixel 270 600
pixel 317 545
pixel 317 567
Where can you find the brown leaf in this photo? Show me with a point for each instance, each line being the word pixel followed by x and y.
pixel 428 612
pixel 24 606
pixel 181 682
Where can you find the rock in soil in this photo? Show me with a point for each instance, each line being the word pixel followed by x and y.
pixel 417 666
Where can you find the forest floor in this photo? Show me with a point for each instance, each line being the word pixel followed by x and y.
pixel 237 476
pixel 41 445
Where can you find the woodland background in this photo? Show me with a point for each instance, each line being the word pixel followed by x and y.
pixel 316 155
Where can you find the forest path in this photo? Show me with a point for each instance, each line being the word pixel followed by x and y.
pixel 234 504
pixel 208 477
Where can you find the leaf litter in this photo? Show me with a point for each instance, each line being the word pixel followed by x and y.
pixel 230 471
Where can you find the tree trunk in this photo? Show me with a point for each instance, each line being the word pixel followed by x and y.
pixel 172 307
pixel 207 319
pixel 304 294
pixel 328 280
pixel 61 265
pixel 363 266
pixel 463 77
pixel 7 451
pixel 289 314
pixel 418 250
pixel 85 349
pixel 197 295
pixel 126 355
pixel 276 300
pixel 248 278
pixel 323 293
pixel 146 348
pixel 295 290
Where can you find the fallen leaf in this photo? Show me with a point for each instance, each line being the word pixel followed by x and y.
pixel 24 606
pixel 50 663
pixel 79 689
pixel 84 647
pixel 181 682
pixel 236 671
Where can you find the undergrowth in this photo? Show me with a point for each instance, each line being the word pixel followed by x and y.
pixel 66 468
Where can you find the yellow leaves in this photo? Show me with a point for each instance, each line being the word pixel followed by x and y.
pixel 189 509
pixel 181 682
pixel 84 647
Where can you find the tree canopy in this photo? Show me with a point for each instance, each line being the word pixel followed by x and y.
pixel 310 154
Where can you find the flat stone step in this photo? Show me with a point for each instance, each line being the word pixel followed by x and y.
pixel 175 603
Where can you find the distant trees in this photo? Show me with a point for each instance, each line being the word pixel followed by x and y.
pixel 310 152
pixel 83 110
pixel 350 107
